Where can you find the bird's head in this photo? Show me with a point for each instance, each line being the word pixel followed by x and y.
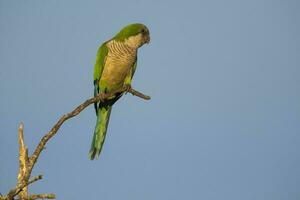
pixel 134 35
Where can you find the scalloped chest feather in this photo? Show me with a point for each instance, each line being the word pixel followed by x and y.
pixel 118 63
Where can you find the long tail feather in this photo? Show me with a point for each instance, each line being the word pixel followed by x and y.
pixel 100 131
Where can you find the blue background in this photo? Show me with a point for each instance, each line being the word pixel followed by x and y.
pixel 223 122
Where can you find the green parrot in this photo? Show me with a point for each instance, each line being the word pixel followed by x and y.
pixel 115 65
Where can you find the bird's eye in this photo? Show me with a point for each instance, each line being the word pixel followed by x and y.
pixel 143 30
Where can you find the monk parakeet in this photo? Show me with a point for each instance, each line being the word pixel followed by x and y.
pixel 115 66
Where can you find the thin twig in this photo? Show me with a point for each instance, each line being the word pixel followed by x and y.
pixel 41 196
pixel 139 94
pixel 14 192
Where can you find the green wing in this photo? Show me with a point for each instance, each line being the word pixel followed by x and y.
pixel 98 69
pixel 129 76
pixel 133 69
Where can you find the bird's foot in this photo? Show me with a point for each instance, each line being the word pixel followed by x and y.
pixel 128 88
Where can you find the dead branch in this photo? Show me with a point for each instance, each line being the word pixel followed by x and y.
pixel 41 196
pixel 23 162
pixel 101 97
pixel 26 164
pixel 14 192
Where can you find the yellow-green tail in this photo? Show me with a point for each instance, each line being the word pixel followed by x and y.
pixel 100 131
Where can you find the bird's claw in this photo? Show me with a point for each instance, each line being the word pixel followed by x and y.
pixel 128 88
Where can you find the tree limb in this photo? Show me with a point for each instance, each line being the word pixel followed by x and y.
pixel 100 98
pixel 27 163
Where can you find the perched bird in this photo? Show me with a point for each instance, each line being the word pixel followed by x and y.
pixel 115 65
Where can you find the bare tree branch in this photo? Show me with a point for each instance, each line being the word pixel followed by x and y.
pixel 100 98
pixel 41 196
pixel 23 163
pixel 26 163
pixel 14 192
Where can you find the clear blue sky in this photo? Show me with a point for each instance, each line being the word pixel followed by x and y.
pixel 223 122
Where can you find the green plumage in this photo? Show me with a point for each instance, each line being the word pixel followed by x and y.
pixel 100 131
pixel 114 67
